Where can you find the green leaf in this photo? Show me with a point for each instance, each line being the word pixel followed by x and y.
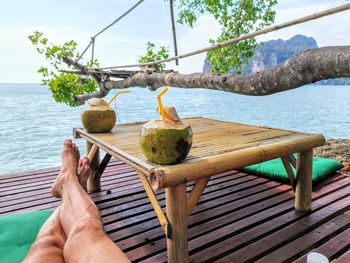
pixel 236 17
pixel 152 55
pixel 63 86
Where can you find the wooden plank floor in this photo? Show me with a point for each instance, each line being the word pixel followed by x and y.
pixel 240 217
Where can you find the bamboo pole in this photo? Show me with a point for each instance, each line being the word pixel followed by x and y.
pixel 289 171
pixel 195 194
pixel 93 183
pixel 293 22
pixel 172 175
pixel 292 160
pixel 176 211
pixel 173 28
pixel 303 187
pixel 155 204
pixel 92 152
pixel 93 50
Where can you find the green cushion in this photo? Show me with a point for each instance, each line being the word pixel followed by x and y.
pixel 18 232
pixel 274 169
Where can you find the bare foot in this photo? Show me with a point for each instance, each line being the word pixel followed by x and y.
pixel 70 157
pixel 84 172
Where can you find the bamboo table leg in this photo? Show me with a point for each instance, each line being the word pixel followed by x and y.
pixel 176 212
pixel 94 183
pixel 303 186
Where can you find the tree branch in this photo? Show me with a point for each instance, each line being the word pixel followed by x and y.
pixel 304 68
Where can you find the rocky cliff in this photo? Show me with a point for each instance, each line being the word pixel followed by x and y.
pixel 271 53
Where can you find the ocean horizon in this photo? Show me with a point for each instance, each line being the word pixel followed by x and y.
pixel 33 126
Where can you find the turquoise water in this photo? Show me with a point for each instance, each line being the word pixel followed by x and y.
pixel 33 127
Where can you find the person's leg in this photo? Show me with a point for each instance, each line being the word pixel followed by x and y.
pixel 50 241
pixel 79 217
pixel 48 246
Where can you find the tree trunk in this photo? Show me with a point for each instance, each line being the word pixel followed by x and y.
pixel 304 68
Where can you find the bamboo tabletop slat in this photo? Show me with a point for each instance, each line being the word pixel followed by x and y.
pixel 214 144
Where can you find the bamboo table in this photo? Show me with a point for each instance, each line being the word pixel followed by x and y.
pixel 218 146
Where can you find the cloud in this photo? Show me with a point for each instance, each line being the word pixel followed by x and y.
pixel 19 60
pixel 18 55
pixel 330 30
pixel 195 38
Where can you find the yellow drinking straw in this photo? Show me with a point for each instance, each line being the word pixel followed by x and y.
pixel 160 105
pixel 115 95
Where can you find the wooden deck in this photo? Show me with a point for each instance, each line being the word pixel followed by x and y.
pixel 239 218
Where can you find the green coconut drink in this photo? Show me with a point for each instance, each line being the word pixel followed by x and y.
pixel 163 142
pixel 98 117
pixel 166 141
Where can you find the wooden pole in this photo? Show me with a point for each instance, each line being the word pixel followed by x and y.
pixel 303 186
pixel 93 183
pixel 196 193
pixel 289 171
pixel 92 152
pixel 292 160
pixel 155 204
pixel 173 28
pixel 176 211
pixel 92 50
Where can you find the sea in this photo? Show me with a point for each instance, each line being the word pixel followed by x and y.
pixel 33 126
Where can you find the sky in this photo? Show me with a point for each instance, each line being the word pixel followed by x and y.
pixel 65 20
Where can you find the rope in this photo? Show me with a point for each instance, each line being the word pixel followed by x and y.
pixel 92 41
pixel 314 16
pixel 82 54
pixel 119 18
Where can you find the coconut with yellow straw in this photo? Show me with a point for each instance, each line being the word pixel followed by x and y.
pixel 99 116
pixel 166 141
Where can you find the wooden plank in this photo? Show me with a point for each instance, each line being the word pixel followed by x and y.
pixel 122 174
pixel 201 207
pixel 332 248
pixel 34 192
pixel 252 209
pixel 277 239
pixel 307 242
pixel 23 177
pixel 252 226
pixel 204 255
pixel 150 215
pixel 344 258
pixel 118 235
pixel 110 208
pixel 202 219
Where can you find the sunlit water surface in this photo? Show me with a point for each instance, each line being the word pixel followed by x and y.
pixel 33 127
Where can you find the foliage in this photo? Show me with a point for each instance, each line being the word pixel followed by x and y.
pixel 63 86
pixel 152 55
pixel 236 17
